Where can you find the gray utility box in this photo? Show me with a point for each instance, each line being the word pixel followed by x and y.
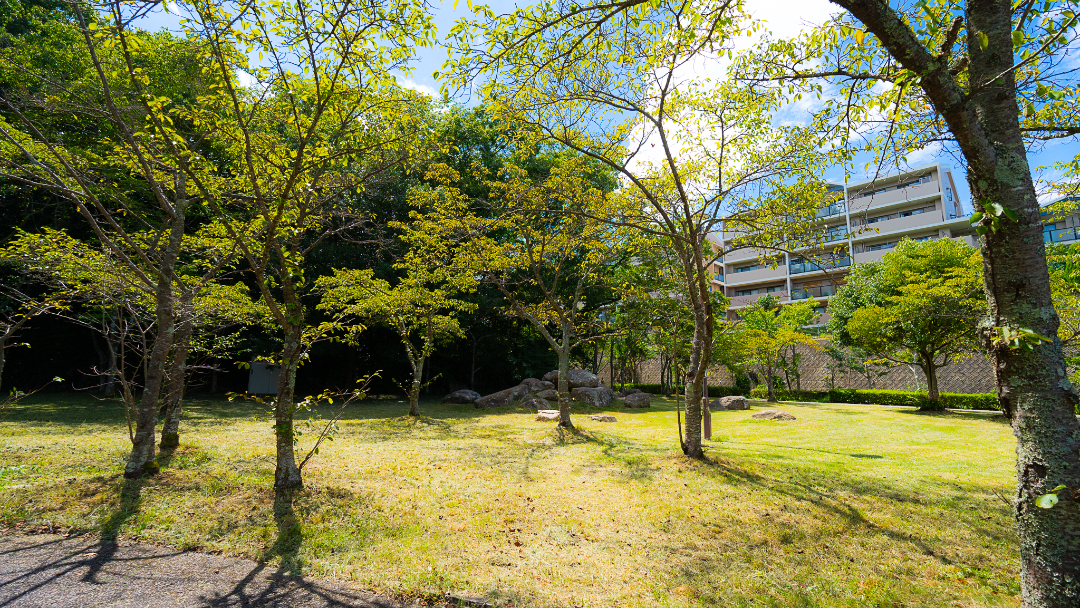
pixel 262 380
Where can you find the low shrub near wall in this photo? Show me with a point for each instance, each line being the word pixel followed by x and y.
pixel 959 401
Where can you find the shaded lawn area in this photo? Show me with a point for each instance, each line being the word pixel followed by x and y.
pixel 846 506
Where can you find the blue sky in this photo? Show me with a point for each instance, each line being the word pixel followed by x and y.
pixel 783 18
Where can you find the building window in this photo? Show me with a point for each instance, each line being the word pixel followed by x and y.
pixel 746 269
pixel 880 246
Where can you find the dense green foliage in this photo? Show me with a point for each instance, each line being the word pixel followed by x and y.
pixel 920 304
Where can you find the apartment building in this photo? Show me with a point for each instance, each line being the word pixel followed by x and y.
pixel 867 220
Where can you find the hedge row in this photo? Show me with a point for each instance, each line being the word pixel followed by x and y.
pixel 957 401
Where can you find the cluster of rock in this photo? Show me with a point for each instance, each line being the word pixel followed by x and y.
pixel 539 394
pixel 729 403
pixel 773 415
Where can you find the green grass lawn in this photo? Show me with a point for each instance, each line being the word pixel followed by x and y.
pixel 847 506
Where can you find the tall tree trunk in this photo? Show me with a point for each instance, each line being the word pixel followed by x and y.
pixel 142 459
pixel 564 381
pixel 287 474
pixel 695 383
pixel 770 382
pixel 1033 387
pixel 177 374
pixel 414 388
pixel 930 368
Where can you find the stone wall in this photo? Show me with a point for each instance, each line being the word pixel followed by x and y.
pixel 972 375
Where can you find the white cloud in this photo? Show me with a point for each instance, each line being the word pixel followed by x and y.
pixel 245 79
pixel 412 85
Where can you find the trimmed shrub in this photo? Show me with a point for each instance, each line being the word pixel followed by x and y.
pixel 959 401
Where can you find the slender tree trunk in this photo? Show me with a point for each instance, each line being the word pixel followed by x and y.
pixel 931 370
pixel 564 381
pixel 142 459
pixel 414 389
pixel 177 375
pixel 287 475
pixel 695 383
pixel 770 382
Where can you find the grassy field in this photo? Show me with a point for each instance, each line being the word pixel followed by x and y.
pixel 846 506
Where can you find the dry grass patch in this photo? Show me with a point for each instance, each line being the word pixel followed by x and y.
pixel 846 506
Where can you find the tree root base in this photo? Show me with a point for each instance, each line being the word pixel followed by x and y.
pixel 148 469
pixel 169 441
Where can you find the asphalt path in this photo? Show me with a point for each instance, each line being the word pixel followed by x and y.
pixel 50 571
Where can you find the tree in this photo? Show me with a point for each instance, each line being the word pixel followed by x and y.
pixel 922 302
pixel 770 329
pixel 988 79
pixel 420 308
pixel 539 243
pixel 1064 262
pixel 323 117
pixel 858 360
pixel 691 155
pixel 120 161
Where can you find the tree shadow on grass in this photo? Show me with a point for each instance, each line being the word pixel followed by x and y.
pixel 290 535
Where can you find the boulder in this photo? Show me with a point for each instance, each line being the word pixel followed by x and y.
pixel 503 397
pixel 550 394
pixel 575 378
pixel 601 418
pixel 631 391
pixel 773 415
pixel 730 403
pixel 461 396
pixel 547 415
pixel 536 386
pixel 536 404
pixel 596 397
pixel 637 400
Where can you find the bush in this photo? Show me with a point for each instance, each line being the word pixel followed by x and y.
pixel 959 401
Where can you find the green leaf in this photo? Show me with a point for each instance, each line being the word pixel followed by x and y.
pixel 976 217
pixel 1046 501
pixel 983 41
pixel 1017 38
pixel 1009 213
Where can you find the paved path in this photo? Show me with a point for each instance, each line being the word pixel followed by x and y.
pixel 50 571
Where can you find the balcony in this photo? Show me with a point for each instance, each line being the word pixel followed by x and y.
pixel 835 234
pixel 1059 235
pixel 753 276
pixel 822 291
pixel 823 264
pixel 750 299
pixel 899 223
pixel 831 210
pixel 890 195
